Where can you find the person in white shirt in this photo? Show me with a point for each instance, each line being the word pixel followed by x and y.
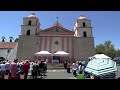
pixel 74 69
pixel 31 67
pixel 3 69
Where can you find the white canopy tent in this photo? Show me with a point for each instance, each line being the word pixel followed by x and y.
pixel 43 53
pixel 99 56
pixel 61 53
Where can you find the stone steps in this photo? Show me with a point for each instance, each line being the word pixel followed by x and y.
pixel 55 66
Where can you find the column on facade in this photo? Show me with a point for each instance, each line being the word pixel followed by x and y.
pixel 50 58
pixel 72 50
pixel 67 49
pixel 62 58
pixel 45 47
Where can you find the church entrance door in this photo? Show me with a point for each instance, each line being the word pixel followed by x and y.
pixel 56 59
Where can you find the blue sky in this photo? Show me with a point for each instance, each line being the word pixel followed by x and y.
pixel 106 24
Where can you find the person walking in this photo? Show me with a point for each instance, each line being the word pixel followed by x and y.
pixel 68 67
pixel 41 66
pixel 26 68
pixel 31 68
pixel 65 65
pixel 21 71
pixel 3 69
pixel 45 68
pixel 13 69
pixel 7 69
pixel 80 67
pixel 74 65
pixel 34 71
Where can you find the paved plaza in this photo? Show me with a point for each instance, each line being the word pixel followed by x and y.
pixel 62 74
pixel 56 74
pixel 59 74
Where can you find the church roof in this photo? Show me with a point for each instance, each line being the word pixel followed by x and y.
pixel 57 25
pixel 7 45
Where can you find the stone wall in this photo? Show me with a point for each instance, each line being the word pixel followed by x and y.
pixel 83 48
pixel 27 46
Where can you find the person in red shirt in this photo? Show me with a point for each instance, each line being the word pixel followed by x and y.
pixel 26 68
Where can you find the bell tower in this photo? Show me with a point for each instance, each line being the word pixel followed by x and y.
pixel 83 27
pixel 31 25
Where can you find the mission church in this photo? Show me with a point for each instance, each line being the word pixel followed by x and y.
pixel 79 43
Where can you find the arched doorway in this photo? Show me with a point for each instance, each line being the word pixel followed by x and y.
pixel 29 23
pixel 28 32
pixel 84 34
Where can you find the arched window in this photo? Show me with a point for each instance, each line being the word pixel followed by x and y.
pixel 29 23
pixel 8 51
pixel 28 32
pixel 83 24
pixel 84 34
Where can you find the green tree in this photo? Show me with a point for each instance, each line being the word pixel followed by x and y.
pixel 11 38
pixel 3 38
pixel 107 48
pixel 117 53
pixel 100 49
pixel 111 52
pixel 108 44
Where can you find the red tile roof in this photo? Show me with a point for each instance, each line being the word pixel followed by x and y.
pixel 7 45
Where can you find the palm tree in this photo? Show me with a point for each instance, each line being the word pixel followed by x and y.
pixel 3 38
pixel 11 38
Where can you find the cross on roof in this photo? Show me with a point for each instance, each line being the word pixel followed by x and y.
pixel 57 20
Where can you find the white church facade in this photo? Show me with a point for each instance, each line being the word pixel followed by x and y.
pixel 78 43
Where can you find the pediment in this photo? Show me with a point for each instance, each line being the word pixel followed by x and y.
pixel 57 29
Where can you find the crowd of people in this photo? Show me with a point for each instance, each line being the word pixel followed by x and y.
pixel 77 68
pixel 15 69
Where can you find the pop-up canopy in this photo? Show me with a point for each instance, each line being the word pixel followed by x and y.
pixel 61 53
pixel 43 53
pixel 100 56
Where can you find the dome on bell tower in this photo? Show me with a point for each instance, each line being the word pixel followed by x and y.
pixel 32 15
pixel 82 17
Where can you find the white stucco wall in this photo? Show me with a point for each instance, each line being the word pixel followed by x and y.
pixel 80 23
pixel 26 20
pixel 13 53
pixel 3 53
pixel 25 28
pixel 87 30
